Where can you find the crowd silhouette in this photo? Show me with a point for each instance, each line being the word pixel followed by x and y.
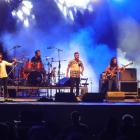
pixel 75 131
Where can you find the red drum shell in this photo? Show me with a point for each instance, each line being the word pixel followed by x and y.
pixel 39 65
pixel 28 64
pixel 22 73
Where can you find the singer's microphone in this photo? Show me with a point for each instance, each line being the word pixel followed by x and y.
pixel 49 47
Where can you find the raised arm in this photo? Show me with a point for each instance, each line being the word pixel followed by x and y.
pixel 11 64
pixel 121 70
pixel 15 59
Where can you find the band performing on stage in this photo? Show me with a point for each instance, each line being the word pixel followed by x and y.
pixel 33 73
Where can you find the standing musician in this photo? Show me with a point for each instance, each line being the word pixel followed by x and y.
pixel 3 75
pixel 113 66
pixel 75 65
pixel 36 58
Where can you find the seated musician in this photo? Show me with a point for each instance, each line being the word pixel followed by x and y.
pixel 114 76
pixel 36 58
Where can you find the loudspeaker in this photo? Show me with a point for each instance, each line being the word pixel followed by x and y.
pixel 12 92
pixel 64 82
pixel 93 97
pixel 129 86
pixel 30 116
pixel 65 97
pixel 129 75
pixel 115 96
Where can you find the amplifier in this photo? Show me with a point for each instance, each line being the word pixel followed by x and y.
pixel 103 85
pixel 129 86
pixel 130 74
pixel 115 96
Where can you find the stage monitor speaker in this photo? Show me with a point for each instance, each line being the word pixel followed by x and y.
pixel 115 96
pixel 30 116
pixel 64 82
pixel 65 97
pixel 130 74
pixel 129 86
pixel 93 97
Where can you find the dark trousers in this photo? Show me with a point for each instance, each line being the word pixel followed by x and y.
pixel 110 83
pixel 72 83
pixel 5 86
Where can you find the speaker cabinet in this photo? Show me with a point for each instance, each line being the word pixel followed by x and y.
pixel 93 97
pixel 129 86
pixel 129 75
pixel 12 92
pixel 65 97
pixel 115 96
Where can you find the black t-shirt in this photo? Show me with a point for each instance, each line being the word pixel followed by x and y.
pixel 36 59
pixel 114 68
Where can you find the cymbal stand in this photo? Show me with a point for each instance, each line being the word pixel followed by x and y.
pixel 14 57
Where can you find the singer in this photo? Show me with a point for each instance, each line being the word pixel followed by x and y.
pixel 75 65
pixel 3 75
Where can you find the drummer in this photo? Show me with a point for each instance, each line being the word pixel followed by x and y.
pixel 36 58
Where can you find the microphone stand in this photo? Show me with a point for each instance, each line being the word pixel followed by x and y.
pixel 14 57
pixel 58 66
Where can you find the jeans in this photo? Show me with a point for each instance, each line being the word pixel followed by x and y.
pixel 5 86
pixel 72 83
pixel 110 83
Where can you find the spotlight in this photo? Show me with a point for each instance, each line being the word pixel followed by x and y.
pixel 20 14
pixel 27 4
pixel 26 22
pixel 25 10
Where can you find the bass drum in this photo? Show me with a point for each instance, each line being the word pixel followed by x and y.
pixel 35 78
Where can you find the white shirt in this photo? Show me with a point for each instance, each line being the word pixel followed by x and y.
pixel 3 65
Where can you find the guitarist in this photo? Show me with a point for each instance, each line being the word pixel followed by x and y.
pixel 113 66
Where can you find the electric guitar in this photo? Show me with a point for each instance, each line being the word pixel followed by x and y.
pixel 112 72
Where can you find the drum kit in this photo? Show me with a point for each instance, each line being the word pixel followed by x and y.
pixel 34 73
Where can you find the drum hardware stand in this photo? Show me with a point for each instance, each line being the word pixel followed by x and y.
pixel 14 57
pixel 59 64
pixel 91 83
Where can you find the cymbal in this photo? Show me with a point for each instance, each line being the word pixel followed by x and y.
pixel 23 55
pixel 45 57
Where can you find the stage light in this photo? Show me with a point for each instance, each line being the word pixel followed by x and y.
pixel 27 4
pixel 26 22
pixel 66 7
pixel 25 10
pixel 71 15
pixel 14 12
pixel 33 16
pixel 20 14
